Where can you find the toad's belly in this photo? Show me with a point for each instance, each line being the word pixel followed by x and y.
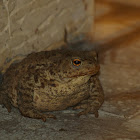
pixel 48 103
pixel 62 95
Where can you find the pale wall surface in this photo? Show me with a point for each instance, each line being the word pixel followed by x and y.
pixel 35 25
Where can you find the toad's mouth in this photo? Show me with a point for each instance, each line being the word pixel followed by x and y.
pixel 86 72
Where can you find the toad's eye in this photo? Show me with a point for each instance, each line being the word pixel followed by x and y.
pixel 76 62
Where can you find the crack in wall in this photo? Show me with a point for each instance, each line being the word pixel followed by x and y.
pixel 6 2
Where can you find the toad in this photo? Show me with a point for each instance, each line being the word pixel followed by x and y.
pixel 53 80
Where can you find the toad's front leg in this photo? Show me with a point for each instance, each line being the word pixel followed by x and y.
pixel 95 100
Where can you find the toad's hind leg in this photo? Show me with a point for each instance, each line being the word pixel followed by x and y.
pixel 95 100
pixel 25 105
pixel 4 100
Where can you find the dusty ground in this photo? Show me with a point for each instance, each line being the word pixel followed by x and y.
pixel 117 38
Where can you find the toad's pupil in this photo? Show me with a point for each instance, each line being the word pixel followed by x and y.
pixel 77 62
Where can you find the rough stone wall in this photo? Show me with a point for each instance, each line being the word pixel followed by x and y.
pixel 35 25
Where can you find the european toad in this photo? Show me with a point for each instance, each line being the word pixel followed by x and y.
pixel 53 80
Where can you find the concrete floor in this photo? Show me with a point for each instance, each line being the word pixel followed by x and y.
pixel 117 39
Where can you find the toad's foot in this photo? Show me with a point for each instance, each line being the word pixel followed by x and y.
pixel 5 102
pixel 87 109
pixel 8 106
pixel 36 114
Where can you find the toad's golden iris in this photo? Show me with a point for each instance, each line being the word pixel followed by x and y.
pixel 76 62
